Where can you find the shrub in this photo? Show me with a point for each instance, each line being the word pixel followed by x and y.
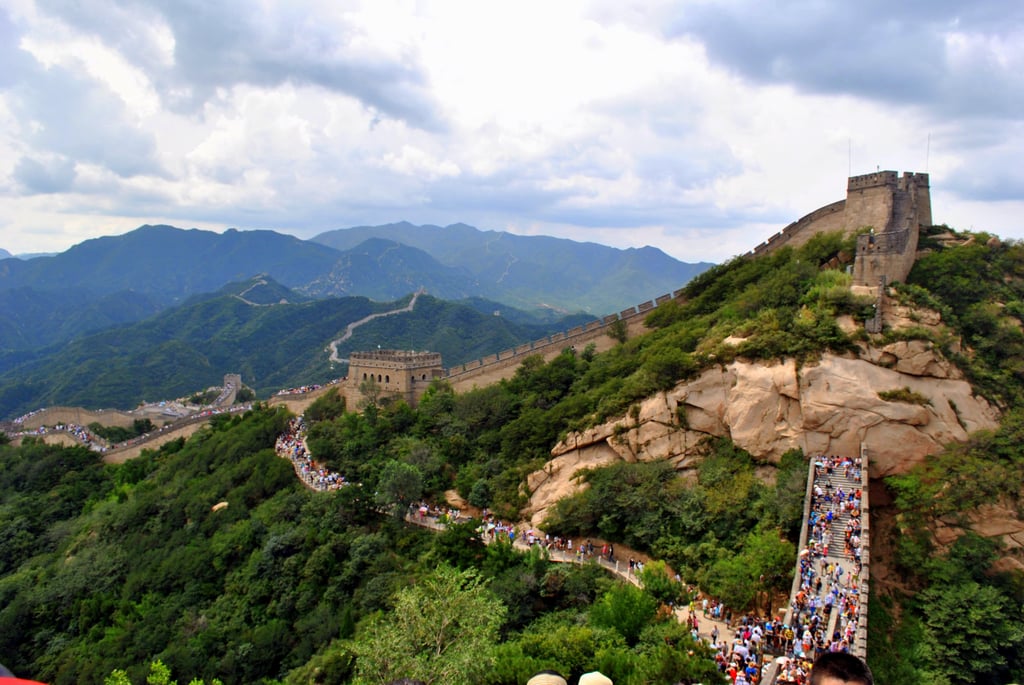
pixel 904 395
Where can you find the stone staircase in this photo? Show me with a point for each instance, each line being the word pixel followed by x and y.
pixel 835 481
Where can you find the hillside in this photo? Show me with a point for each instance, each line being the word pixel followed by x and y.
pixel 276 340
pixel 34 319
pixel 385 270
pixel 289 575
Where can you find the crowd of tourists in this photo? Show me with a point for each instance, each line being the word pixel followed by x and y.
pixel 825 610
pixel 80 433
pixel 292 445
pixel 303 389
pixel 827 606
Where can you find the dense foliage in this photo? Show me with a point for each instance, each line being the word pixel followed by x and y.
pixel 128 573
pixel 959 618
pixel 116 567
pixel 955 614
pixel 272 347
pixel 978 287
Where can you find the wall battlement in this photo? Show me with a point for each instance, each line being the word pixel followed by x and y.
pixel 873 180
pixel 887 208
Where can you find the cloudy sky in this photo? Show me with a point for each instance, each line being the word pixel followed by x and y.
pixel 699 127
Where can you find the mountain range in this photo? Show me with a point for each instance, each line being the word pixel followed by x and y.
pixel 385 262
pixel 161 311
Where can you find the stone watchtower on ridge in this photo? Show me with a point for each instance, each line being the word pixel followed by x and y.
pixel 895 207
pixel 396 373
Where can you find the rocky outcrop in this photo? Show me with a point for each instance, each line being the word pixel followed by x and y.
pixel 1001 520
pixel 832 406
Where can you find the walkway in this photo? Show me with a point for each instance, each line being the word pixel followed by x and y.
pixel 828 601
pixel 829 595
pixel 366 319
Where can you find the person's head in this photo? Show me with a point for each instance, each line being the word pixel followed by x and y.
pixel 547 678
pixel 840 668
pixel 595 678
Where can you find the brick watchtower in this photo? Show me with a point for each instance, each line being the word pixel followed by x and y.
pixel 895 207
pixel 397 373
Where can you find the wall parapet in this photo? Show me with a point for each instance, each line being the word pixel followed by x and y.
pixel 779 239
pixel 872 180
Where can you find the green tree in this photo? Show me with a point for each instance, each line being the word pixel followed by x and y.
pixel 442 631
pixel 972 631
pixel 400 484
pixel 117 677
pixel 626 608
pixel 659 583
pixel 618 331
pixel 328 406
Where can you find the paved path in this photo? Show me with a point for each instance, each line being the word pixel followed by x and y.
pixel 366 319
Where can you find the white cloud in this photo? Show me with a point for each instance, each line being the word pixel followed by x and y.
pixel 700 128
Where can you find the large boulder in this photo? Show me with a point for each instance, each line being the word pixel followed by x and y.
pixel 833 406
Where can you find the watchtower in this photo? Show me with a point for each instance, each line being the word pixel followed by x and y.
pixel 396 373
pixel 895 207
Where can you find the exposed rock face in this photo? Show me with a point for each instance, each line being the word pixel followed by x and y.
pixel 1000 520
pixel 830 407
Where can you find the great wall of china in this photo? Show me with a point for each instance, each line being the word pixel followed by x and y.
pixel 884 210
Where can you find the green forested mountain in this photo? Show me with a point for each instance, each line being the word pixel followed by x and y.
pixel 170 264
pixel 119 279
pixel 384 270
pixel 518 270
pixel 272 344
pixel 107 567
pixel 33 319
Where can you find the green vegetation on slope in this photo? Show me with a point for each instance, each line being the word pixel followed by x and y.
pixel 955 614
pixel 109 569
pixel 272 347
pixel 113 567
pixel 955 618
pixel 978 287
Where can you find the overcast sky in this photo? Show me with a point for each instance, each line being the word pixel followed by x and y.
pixel 697 127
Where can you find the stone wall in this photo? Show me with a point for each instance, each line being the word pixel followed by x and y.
pixel 825 219
pixel 888 256
pixel 487 370
pixel 51 416
pixel 891 206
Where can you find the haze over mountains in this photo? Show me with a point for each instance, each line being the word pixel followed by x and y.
pixel 161 310
pixel 384 262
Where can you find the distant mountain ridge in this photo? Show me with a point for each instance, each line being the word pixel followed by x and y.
pixel 170 264
pixel 158 310
pixel 119 279
pixel 275 344
pixel 519 269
